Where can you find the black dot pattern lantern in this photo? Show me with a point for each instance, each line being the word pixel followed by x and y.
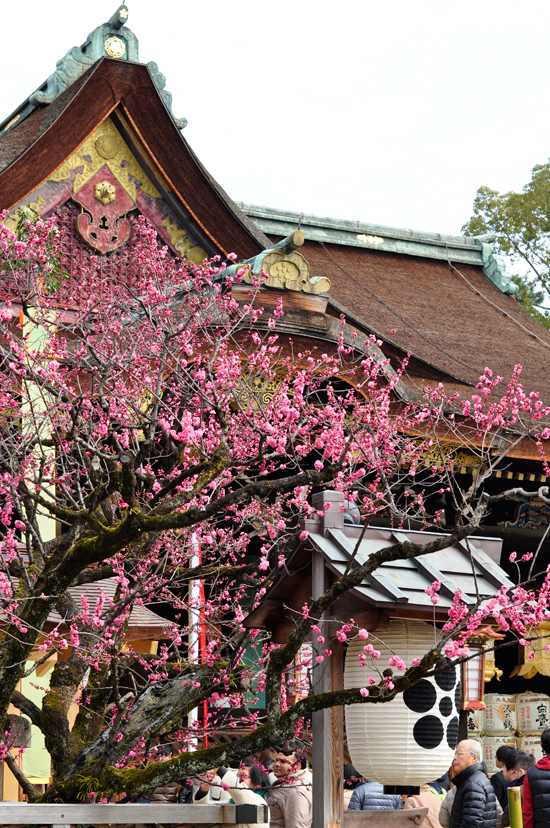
pixel 410 740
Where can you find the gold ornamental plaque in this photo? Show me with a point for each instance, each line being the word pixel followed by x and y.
pixel 105 192
pixel 115 47
pixel 107 146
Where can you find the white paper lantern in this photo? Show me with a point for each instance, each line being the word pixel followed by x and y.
pixel 410 740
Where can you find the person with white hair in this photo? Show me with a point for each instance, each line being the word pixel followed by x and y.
pixel 447 807
pixel 474 805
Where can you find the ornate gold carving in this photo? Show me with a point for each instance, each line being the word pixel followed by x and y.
pixel 289 271
pixel 282 272
pixel 123 13
pixel 491 670
pixel 115 47
pixel 183 243
pixel 257 391
pixel 366 237
pixel 451 453
pixel 106 146
pixel 487 637
pixel 540 662
pixel 98 150
pixel 105 192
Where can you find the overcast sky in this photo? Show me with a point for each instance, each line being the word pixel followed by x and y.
pixel 386 112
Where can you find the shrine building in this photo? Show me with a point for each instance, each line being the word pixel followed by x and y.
pixel 97 144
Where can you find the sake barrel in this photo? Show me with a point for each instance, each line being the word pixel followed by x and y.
pixel 490 746
pixel 500 716
pixel 531 744
pixel 475 720
pixel 533 712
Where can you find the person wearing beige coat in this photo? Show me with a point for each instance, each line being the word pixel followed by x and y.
pixel 289 799
pixel 426 799
pixel 290 804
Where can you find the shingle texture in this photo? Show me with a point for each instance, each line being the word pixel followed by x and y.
pixel 435 313
pixel 404 582
pixel 22 136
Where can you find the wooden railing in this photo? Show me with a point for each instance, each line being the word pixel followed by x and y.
pixel 20 813
pixel 404 818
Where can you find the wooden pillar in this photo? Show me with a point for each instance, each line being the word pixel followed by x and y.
pixel 327 725
pixel 10 785
pixel 337 721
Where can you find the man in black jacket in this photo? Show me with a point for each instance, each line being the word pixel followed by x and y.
pixel 475 801
pixel 507 775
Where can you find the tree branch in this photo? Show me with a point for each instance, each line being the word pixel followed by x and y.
pixel 28 707
pixel 28 788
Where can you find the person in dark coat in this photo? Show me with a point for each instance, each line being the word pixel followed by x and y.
pixel 536 789
pixel 475 804
pixel 507 775
pixel 447 807
pixel 371 797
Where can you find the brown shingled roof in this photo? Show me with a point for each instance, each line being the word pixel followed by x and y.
pixel 21 137
pixel 436 314
pixel 143 622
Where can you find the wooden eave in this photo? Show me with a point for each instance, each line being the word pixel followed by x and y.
pixel 395 589
pixel 284 600
pixel 43 141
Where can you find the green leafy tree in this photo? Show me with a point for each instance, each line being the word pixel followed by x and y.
pixel 521 224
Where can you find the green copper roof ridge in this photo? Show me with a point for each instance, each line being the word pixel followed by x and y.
pixel 470 250
pixel 79 59
pixel 352 225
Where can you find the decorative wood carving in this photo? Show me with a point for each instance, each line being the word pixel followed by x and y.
pixel 116 268
pixel 287 271
pixel 106 147
pixel 102 223
pixel 183 243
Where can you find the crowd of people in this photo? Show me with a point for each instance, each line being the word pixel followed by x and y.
pixel 466 798
pixel 472 799
pixel 277 777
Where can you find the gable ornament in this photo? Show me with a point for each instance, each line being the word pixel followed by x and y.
pixel 284 266
pixel 112 39
pixel 105 192
pixel 106 147
pixel 102 222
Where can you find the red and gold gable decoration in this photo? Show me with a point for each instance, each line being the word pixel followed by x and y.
pixel 106 181
pixel 105 178
pixel 101 224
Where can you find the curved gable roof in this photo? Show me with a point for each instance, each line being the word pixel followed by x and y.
pixel 33 150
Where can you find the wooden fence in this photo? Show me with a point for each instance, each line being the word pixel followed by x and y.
pixel 20 813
